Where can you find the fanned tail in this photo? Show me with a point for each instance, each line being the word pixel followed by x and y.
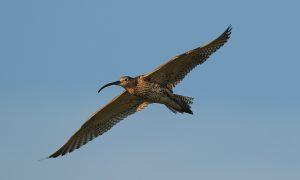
pixel 183 102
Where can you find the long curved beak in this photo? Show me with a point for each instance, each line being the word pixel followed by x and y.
pixel 109 84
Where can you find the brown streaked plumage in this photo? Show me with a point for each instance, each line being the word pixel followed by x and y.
pixel 154 87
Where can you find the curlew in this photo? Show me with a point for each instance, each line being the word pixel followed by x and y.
pixel 154 87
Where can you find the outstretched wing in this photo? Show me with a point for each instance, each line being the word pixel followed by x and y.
pixel 172 72
pixel 103 120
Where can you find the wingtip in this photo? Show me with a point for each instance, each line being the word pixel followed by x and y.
pixel 228 30
pixel 229 27
pixel 52 156
pixel 57 154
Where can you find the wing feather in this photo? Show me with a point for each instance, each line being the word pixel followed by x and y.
pixel 172 72
pixel 103 120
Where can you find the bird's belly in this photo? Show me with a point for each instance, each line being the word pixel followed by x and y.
pixel 155 94
pixel 156 97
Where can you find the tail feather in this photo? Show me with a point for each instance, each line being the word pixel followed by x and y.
pixel 188 110
pixel 182 110
pixel 185 99
pixel 172 109
pixel 183 102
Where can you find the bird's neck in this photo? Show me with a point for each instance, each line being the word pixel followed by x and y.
pixel 131 86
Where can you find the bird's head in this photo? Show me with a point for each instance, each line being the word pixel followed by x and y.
pixel 124 81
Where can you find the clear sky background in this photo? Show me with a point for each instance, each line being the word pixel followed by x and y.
pixel 56 54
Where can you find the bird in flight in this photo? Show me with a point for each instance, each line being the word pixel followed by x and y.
pixel 154 87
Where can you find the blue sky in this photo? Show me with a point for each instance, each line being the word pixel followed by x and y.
pixel 56 54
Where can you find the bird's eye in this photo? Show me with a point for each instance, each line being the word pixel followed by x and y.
pixel 125 79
